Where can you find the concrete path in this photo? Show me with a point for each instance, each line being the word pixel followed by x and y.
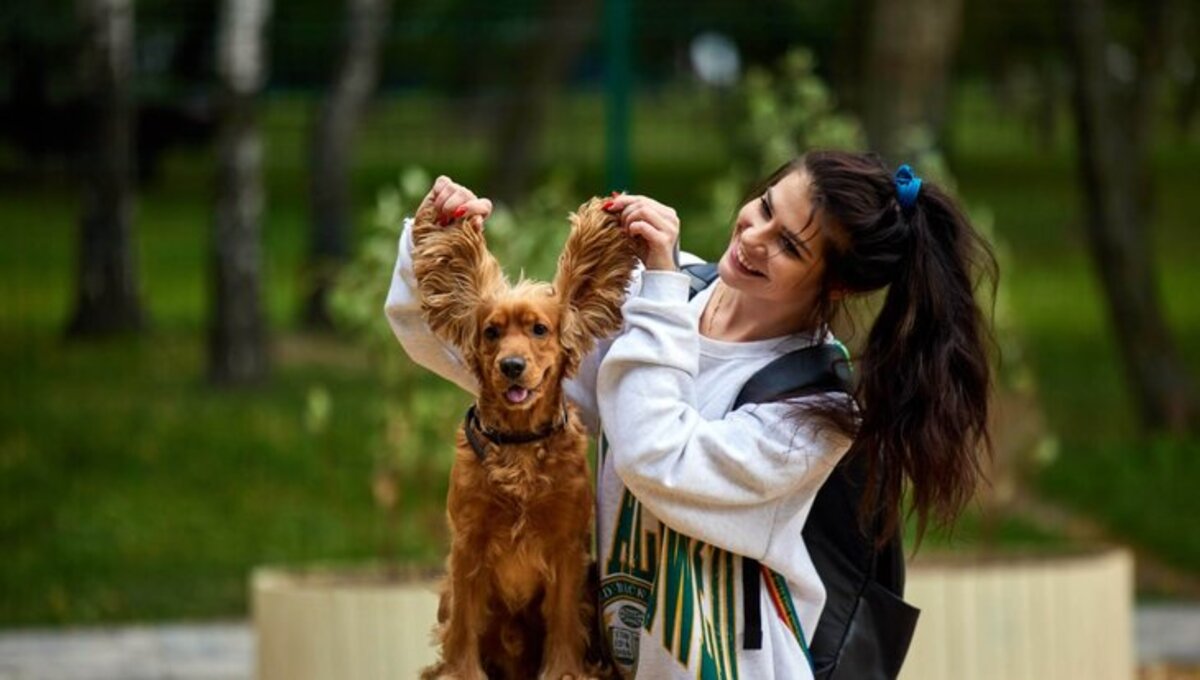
pixel 175 652
pixel 1165 633
pixel 1168 633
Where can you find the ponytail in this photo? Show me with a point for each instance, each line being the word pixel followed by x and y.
pixel 924 373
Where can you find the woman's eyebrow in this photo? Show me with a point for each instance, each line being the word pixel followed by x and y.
pixel 794 238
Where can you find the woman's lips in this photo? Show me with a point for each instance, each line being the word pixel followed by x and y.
pixel 740 261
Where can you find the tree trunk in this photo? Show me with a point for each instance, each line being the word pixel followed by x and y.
pixel 332 144
pixel 1144 97
pixel 541 69
pixel 910 49
pixel 848 60
pixel 107 298
pixel 1186 39
pixel 1189 104
pixel 1114 169
pixel 237 340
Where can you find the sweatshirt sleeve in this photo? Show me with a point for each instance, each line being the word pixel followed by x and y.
pixel 720 481
pixel 403 312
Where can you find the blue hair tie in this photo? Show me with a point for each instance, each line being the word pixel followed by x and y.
pixel 908 185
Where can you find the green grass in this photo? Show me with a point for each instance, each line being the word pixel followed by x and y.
pixel 1142 490
pixel 132 490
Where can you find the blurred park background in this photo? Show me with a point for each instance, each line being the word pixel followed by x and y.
pixel 200 202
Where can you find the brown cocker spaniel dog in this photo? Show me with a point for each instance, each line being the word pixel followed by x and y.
pixel 520 503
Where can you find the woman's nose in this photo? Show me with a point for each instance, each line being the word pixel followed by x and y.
pixel 754 238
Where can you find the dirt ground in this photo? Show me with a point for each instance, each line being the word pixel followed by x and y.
pixel 1168 672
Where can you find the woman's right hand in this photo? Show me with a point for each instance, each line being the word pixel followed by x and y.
pixel 453 201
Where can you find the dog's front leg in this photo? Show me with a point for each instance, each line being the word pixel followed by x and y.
pixel 566 635
pixel 469 595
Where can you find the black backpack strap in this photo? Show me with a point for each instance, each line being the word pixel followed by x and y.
pixel 813 369
pixel 751 607
pixel 703 274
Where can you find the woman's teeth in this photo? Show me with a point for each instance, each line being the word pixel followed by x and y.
pixel 737 252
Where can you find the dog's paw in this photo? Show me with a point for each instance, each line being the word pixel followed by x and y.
pixel 444 671
pixel 453 675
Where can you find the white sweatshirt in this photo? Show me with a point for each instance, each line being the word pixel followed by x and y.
pixel 684 485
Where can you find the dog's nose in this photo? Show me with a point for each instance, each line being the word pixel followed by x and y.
pixel 512 367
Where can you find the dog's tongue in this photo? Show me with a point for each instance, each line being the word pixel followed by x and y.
pixel 516 394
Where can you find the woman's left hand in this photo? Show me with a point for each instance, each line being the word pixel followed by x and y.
pixel 656 226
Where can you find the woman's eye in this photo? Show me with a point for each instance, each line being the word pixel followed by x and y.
pixel 540 330
pixel 491 333
pixel 789 247
pixel 764 208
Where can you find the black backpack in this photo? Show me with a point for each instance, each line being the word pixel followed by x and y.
pixel 865 628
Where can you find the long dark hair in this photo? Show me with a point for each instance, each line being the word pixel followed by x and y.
pixel 923 377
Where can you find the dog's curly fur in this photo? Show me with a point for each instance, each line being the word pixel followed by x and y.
pixel 513 603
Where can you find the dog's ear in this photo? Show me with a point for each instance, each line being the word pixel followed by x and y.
pixel 425 222
pixel 456 276
pixel 593 274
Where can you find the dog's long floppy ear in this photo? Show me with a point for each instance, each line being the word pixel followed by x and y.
pixel 455 275
pixel 593 273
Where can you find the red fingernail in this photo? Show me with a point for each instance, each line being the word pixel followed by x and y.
pixel 460 211
pixel 607 205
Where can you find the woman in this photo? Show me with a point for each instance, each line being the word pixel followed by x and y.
pixel 685 484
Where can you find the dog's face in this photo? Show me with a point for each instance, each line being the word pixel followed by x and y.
pixel 520 340
pixel 519 353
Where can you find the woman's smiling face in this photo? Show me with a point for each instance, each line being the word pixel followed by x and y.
pixel 776 253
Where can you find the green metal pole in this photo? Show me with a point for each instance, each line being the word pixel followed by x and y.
pixel 618 51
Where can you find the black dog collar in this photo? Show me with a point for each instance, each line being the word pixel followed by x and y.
pixel 474 428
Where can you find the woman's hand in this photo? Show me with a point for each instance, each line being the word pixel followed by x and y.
pixel 655 225
pixel 454 201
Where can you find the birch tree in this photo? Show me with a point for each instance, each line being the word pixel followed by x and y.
pixel 107 298
pixel 542 67
pixel 237 332
pixel 332 150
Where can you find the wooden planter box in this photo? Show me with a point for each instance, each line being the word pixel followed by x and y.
pixel 1037 617
pixel 342 624
pixel 1049 616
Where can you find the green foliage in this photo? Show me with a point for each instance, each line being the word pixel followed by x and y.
pixel 787 112
pixel 775 115
pixel 531 235
pixel 1099 479
pixel 358 296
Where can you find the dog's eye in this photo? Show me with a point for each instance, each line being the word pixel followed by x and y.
pixel 540 330
pixel 491 333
